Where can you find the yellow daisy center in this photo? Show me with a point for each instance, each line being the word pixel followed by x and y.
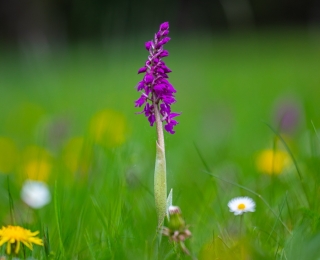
pixel 241 206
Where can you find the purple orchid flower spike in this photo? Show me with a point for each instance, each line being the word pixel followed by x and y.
pixel 156 99
pixel 157 92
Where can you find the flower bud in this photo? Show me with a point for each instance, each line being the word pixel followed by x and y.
pixel 176 221
pixel 148 45
pixel 164 26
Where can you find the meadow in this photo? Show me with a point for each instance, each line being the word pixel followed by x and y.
pixel 68 119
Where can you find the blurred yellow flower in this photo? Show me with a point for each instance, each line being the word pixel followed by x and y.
pixel 77 155
pixel 14 235
pixel 272 161
pixel 8 155
pixel 108 128
pixel 37 163
pixel 219 250
pixel 208 252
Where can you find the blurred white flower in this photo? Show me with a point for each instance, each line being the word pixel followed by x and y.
pixel 241 205
pixel 36 194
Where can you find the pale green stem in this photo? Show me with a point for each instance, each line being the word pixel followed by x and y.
pixel 241 223
pixel 160 182
pixel 240 237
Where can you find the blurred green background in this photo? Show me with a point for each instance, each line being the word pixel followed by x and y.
pixel 68 72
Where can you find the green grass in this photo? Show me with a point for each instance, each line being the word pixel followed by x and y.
pixel 228 89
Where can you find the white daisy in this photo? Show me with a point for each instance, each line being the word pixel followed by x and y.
pixel 36 194
pixel 241 205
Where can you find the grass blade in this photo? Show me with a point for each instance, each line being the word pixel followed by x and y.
pixel 58 219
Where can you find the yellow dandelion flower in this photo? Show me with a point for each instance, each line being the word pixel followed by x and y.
pixel 272 161
pixel 109 128
pixel 15 235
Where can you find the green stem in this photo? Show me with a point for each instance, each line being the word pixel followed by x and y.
pixel 241 223
pixel 160 182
